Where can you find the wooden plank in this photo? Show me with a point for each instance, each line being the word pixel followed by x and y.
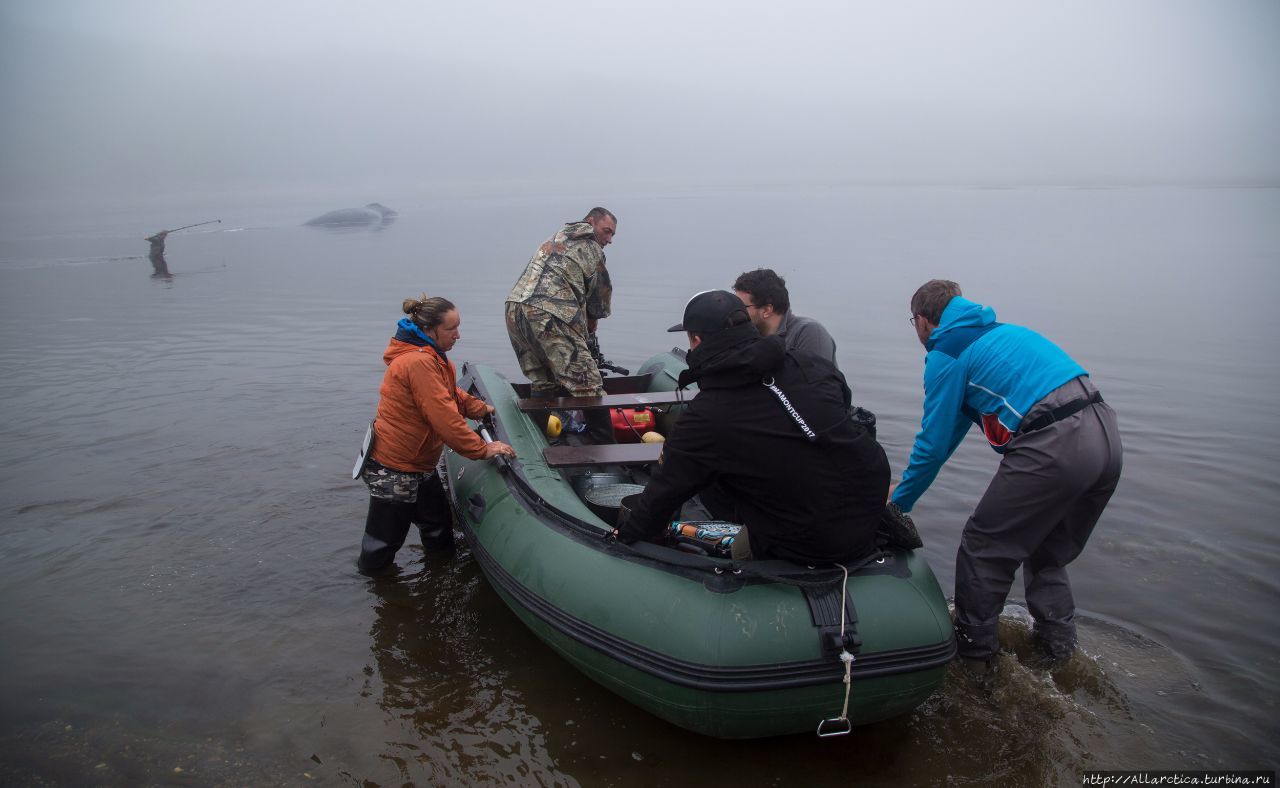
pixel 607 454
pixel 641 400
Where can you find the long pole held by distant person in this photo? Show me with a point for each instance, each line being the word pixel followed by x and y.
pixel 197 224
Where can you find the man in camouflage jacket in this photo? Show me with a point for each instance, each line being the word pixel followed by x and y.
pixel 555 305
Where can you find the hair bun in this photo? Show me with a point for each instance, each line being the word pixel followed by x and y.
pixel 412 305
pixel 426 311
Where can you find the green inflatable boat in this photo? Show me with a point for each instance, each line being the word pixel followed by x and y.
pixel 723 648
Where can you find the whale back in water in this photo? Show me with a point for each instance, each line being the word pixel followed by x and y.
pixel 372 215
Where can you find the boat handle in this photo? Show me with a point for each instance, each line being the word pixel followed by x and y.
pixel 504 464
pixel 844 727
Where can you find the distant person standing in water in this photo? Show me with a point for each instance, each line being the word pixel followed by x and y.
pixel 420 410
pixel 156 254
pixel 1061 459
pixel 157 244
pixel 769 306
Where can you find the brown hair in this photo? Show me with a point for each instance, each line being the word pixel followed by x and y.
pixel 599 213
pixel 933 297
pixel 427 313
pixel 765 287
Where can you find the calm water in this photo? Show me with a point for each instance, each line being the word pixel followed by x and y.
pixel 179 530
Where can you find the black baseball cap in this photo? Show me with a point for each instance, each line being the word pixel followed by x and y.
pixel 709 311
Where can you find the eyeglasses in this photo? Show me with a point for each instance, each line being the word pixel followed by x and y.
pixel 913 319
pixel 756 306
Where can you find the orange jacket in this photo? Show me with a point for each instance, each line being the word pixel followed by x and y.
pixel 421 409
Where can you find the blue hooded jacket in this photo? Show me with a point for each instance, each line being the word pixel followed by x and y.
pixel 977 371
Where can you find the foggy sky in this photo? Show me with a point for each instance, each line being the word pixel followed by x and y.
pixel 114 97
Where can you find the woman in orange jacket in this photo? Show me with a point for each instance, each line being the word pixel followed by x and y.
pixel 421 409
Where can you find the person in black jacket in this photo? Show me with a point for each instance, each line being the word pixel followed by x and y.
pixel 772 431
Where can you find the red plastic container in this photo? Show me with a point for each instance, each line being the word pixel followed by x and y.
pixel 630 423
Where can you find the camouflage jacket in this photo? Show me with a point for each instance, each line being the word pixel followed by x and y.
pixel 567 277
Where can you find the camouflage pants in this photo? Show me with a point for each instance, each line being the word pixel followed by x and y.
pixel 387 484
pixel 552 354
pixel 397 501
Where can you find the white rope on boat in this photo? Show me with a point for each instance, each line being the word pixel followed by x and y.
pixel 848 660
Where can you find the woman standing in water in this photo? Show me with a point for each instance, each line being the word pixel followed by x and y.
pixel 420 410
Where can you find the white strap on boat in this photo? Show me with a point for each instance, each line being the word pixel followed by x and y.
pixel 839 726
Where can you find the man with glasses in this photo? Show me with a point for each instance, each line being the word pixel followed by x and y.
pixel 769 307
pixel 1061 463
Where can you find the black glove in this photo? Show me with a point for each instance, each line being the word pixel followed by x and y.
pixel 897 530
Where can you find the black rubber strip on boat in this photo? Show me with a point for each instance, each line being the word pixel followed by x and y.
pixel 713 678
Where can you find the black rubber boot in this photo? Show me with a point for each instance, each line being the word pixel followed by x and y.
pixel 1055 644
pixel 437 540
pixel 385 528
pixel 434 516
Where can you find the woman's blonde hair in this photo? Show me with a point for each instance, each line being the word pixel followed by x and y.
pixel 427 313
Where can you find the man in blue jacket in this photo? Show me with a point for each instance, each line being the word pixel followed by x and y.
pixel 1061 462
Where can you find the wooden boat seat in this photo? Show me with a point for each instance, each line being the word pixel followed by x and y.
pixel 640 400
pixel 606 454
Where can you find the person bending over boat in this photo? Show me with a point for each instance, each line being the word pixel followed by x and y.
pixel 769 306
pixel 420 410
pixel 556 304
pixel 771 430
pixel 1061 463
